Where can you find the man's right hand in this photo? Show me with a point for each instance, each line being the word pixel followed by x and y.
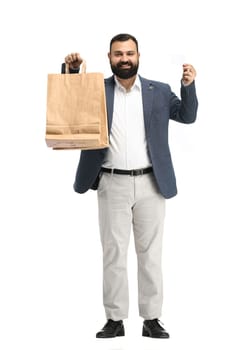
pixel 74 60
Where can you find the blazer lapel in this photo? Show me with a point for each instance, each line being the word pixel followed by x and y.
pixel 109 90
pixel 148 93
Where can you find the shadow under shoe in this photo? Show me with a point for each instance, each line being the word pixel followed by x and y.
pixel 112 329
pixel 153 329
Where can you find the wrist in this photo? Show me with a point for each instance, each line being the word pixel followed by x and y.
pixel 185 83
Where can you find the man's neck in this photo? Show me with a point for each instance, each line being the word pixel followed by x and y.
pixel 127 83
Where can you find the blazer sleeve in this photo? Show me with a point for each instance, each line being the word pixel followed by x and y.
pixel 184 110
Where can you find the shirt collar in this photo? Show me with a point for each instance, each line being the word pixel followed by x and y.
pixel 136 85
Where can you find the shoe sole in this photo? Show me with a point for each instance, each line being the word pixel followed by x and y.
pixel 119 334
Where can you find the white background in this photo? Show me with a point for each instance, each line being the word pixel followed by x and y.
pixel 50 253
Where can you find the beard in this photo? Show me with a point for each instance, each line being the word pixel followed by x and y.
pixel 124 73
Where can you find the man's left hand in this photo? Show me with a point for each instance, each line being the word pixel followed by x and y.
pixel 189 74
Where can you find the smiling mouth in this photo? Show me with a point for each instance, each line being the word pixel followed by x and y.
pixel 125 66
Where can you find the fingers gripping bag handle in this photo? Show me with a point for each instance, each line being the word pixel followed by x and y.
pixel 83 68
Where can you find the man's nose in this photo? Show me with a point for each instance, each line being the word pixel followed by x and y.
pixel 124 58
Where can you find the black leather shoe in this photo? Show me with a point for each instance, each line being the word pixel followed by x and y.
pixel 153 329
pixel 112 329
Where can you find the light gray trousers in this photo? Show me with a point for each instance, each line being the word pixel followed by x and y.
pixel 127 202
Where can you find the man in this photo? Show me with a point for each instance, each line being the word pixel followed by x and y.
pixel 133 178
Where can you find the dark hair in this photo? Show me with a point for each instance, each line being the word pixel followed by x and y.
pixel 123 37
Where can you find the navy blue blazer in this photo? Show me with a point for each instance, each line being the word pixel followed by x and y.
pixel 160 105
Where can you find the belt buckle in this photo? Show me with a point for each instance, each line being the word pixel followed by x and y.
pixel 136 172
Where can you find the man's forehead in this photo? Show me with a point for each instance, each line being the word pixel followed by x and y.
pixel 124 46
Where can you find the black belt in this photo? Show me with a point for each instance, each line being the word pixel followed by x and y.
pixel 133 172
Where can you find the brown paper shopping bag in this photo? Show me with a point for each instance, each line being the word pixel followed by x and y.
pixel 76 115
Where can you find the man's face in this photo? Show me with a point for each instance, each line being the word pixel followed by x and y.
pixel 124 59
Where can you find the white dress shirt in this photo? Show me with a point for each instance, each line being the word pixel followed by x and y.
pixel 128 147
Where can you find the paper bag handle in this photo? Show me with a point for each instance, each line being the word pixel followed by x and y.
pixel 83 67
